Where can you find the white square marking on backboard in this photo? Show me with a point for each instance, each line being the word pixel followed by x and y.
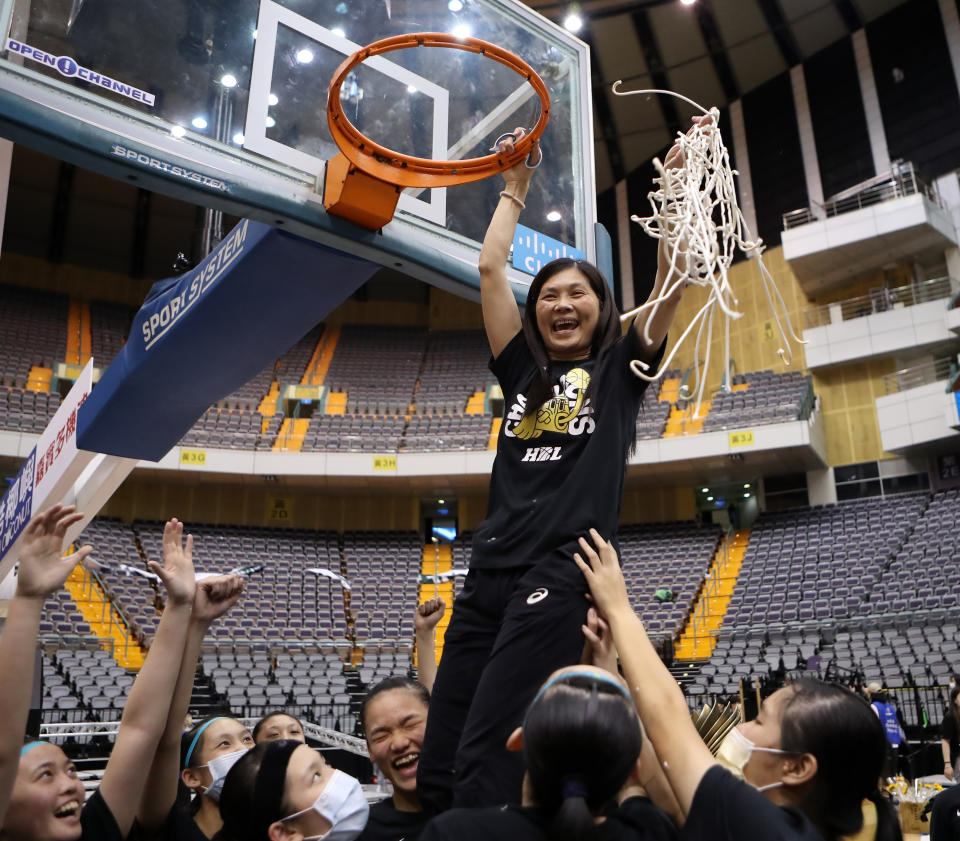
pixel 255 131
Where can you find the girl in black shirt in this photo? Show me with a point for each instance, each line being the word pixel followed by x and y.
pixel 40 795
pixel 285 790
pixel 808 760
pixel 571 403
pixel 581 742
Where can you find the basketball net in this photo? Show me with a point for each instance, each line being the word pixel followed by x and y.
pixel 695 212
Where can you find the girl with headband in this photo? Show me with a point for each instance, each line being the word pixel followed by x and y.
pixel 285 791
pixel 571 403
pixel 799 771
pixel 581 743
pixel 41 796
pixel 201 757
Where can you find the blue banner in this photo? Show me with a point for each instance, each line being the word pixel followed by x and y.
pixel 17 504
pixel 531 250
pixel 200 336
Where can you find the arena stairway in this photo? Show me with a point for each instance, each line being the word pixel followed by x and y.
pixel 79 336
pixel 204 700
pixel 104 619
pixel 319 363
pixel 437 558
pixel 698 637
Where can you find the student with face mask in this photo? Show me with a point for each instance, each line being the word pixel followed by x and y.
pixel 196 761
pixel 285 791
pixel 799 771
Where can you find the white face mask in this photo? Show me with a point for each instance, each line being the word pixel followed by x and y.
pixel 219 767
pixel 343 805
pixel 734 753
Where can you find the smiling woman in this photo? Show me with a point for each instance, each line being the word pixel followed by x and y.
pixel 394 715
pixel 571 405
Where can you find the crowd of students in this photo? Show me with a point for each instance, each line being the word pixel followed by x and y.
pixel 608 747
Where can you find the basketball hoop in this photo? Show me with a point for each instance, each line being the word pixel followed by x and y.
pixel 364 180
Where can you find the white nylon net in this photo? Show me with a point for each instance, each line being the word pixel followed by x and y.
pixel 694 209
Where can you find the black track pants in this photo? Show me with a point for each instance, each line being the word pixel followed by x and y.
pixel 510 629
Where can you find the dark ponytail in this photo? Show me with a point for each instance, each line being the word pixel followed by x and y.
pixel 581 739
pixel 888 823
pixel 845 736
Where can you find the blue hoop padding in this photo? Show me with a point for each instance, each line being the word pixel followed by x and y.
pixel 200 336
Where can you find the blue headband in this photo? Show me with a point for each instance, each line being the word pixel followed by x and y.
pixel 196 738
pixel 596 677
pixel 31 746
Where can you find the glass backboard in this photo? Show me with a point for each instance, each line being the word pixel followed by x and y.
pixel 222 102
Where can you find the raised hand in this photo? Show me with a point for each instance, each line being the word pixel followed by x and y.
pixel 215 596
pixel 603 654
pixel 42 569
pixel 603 574
pixel 428 614
pixel 177 570
pixel 520 174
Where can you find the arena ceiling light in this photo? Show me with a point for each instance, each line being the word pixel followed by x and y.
pixel 228 80
pixel 554 216
pixel 455 5
pixel 573 22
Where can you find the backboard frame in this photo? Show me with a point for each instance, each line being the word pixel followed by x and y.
pixel 70 123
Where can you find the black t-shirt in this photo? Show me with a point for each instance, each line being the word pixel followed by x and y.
pixel 559 472
pixel 945 816
pixel 97 821
pixel 637 819
pixel 948 732
pixel 727 809
pixel 387 823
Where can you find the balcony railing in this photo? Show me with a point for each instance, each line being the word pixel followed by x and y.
pixel 902 180
pixel 918 375
pixel 881 300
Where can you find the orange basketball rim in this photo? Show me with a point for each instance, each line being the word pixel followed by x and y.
pixel 364 181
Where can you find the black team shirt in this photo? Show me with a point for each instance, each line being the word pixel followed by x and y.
pixel 559 471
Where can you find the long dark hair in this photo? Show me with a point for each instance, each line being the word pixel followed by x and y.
pixel 606 333
pixel 254 792
pixel 844 734
pixel 952 709
pixel 581 739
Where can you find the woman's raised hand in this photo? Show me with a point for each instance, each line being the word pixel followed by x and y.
pixel 603 574
pixel 43 570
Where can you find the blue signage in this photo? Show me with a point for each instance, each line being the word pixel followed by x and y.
pixel 16 505
pixel 531 250
pixel 205 333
